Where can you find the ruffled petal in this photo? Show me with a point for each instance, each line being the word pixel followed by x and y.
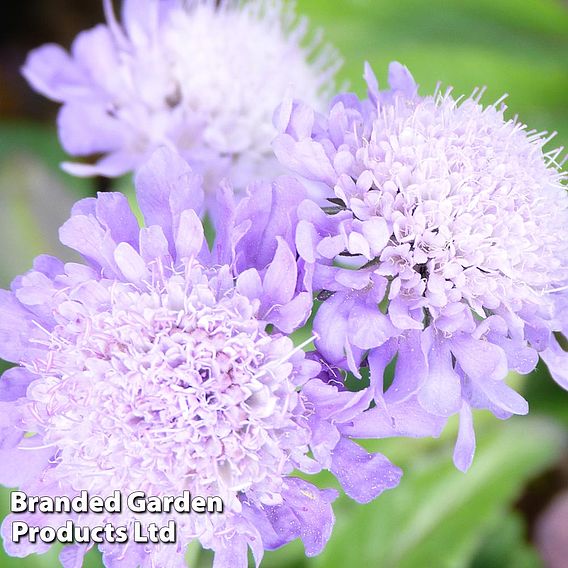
pixel 306 513
pixel 223 250
pixel 411 369
pixel 72 556
pixel 166 186
pixel 129 555
pixel 24 463
pixel 85 235
pixel 153 244
pixel 324 438
pixel 273 208
pixel 400 316
pixel 94 51
pixel 10 436
pixel 503 396
pixel 48 265
pixel 235 555
pixel 289 317
pixel 363 475
pixel 280 278
pixel 378 359
pixel 50 70
pixel 140 19
pixel 306 240
pixel 17 331
pixel 331 324
pixel 368 326
pixel 479 359
pixel 372 83
pixel 401 80
pixel 258 517
pixel 14 384
pixel 334 404
pixel 114 213
pixel 24 547
pixel 305 157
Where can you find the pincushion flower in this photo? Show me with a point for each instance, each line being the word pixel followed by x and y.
pixel 161 366
pixel 202 77
pixel 443 242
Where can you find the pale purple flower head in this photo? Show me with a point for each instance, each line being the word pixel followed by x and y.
pixel 443 242
pixel 163 366
pixel 196 76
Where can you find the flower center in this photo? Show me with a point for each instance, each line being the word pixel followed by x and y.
pixel 174 387
pixel 464 220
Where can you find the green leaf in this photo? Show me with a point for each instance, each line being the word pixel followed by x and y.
pixel 33 205
pixel 508 46
pixel 545 396
pixel 40 142
pixel 504 546
pixel 438 516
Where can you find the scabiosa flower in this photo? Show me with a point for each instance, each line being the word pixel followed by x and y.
pixel 443 243
pixel 161 366
pixel 203 77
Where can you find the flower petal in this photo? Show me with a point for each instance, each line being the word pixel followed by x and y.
pixel 17 330
pixel 166 186
pixel 50 70
pixel 24 463
pixel 85 235
pixel 114 213
pixel 289 317
pixel 280 279
pixel 363 475
pixel 306 513
pixel 465 445
pixel 441 391
pixel 14 383
pixel 72 556
pixel 131 264
pixel 411 369
pixel 556 360
pixel 401 80
pixel 405 418
pixel 86 128
pixel 479 359
pixel 368 326
pixel 331 324
pixel 190 238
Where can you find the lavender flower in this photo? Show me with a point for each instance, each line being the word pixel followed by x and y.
pixel 153 367
pixel 443 242
pixel 201 78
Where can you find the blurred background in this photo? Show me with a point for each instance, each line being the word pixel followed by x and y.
pixel 511 508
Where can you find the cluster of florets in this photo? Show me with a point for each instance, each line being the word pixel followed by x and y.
pixel 161 366
pixel 434 237
pixel 188 75
pixel 443 239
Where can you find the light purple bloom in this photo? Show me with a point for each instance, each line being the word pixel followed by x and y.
pixel 161 366
pixel 443 241
pixel 200 78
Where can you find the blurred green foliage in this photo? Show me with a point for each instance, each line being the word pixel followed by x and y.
pixel 518 47
pixel 438 516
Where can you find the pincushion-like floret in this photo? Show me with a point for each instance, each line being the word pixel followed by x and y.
pixel 443 240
